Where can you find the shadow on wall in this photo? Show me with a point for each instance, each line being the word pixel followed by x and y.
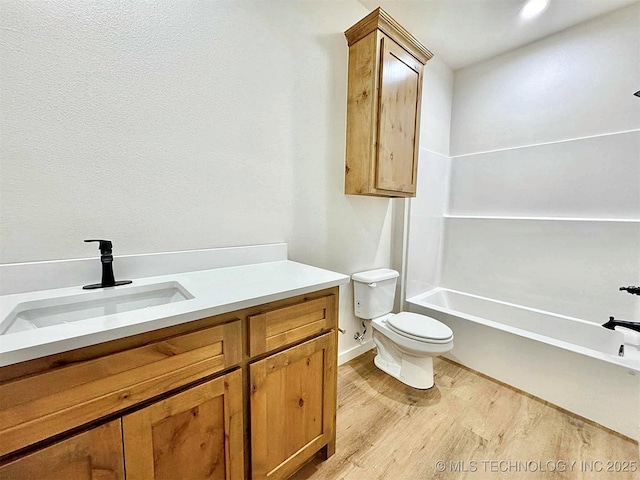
pixel 330 229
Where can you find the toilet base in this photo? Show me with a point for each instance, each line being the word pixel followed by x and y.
pixel 417 372
pixel 409 373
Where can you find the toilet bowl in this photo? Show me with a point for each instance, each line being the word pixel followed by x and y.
pixel 406 355
pixel 406 342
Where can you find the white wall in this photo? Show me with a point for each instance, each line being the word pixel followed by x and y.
pixel 426 221
pixel 544 203
pixel 573 84
pixel 177 125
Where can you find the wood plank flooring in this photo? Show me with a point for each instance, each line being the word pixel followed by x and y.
pixel 479 428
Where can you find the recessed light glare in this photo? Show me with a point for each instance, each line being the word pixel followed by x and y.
pixel 533 8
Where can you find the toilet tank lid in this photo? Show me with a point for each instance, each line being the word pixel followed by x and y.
pixel 377 275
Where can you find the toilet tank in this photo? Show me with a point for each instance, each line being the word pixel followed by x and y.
pixel 373 292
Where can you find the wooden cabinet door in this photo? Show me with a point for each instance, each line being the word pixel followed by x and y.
pixel 193 435
pixel 398 119
pixel 93 455
pixel 292 406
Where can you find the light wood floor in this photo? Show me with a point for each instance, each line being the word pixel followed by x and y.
pixel 387 430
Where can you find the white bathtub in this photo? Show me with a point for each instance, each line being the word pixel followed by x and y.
pixel 569 362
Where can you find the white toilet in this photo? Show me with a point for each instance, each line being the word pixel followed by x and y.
pixel 407 342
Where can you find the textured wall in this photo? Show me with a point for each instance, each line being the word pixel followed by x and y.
pixel 177 125
pixel 174 125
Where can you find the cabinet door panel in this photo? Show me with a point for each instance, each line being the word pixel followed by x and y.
pixel 398 127
pixel 92 455
pixel 292 407
pixel 195 435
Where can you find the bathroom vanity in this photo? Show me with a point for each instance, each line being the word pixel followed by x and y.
pixel 247 392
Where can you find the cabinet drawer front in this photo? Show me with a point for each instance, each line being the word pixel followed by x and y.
pixel 283 326
pixel 37 407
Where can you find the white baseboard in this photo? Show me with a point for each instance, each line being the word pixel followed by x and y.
pixel 354 352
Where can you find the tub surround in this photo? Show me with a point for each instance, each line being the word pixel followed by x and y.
pixel 543 207
pixel 263 274
pixel 539 205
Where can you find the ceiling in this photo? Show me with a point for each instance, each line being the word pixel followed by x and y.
pixel 462 32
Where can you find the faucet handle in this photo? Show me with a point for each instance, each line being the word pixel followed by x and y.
pixel 105 246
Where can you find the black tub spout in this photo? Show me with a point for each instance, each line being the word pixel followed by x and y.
pixel 631 289
pixel 613 323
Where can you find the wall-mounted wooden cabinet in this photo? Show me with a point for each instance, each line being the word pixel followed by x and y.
pixel 184 402
pixel 383 107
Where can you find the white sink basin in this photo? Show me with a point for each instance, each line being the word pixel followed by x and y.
pixel 97 303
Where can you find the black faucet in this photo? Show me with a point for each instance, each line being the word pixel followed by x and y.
pixel 106 258
pixel 632 289
pixel 613 323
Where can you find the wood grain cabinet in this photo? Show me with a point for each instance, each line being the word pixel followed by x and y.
pixel 384 97
pixel 292 407
pixel 292 391
pixel 92 455
pixel 196 434
pixel 245 394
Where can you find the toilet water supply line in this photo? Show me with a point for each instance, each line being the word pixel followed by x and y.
pixel 360 336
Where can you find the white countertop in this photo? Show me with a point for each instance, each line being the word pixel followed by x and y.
pixel 215 291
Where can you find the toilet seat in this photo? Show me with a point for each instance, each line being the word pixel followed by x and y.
pixel 420 328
